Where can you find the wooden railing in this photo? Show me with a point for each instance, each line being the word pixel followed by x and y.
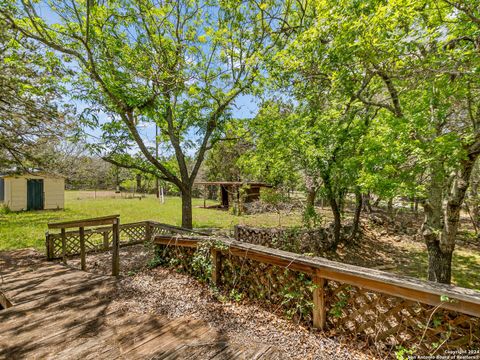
pixel 85 240
pixel 113 220
pixel 381 307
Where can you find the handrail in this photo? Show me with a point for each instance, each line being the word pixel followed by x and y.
pixel 113 220
pixel 463 300
pixel 83 233
pixel 102 220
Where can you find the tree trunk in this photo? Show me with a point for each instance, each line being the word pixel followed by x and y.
pixel 367 206
pixel 432 226
pixel 474 201
pixel 439 263
pixel 337 222
pixel 441 225
pixel 311 195
pixel 187 221
pixel 138 178
pixel 390 207
pixel 356 219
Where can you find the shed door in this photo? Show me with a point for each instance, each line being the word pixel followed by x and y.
pixel 35 194
pixel 2 190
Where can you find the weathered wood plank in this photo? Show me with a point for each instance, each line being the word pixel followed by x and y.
pixel 64 246
pixel 319 313
pixel 216 267
pixel 78 321
pixel 83 264
pixel 45 307
pixel 162 342
pixel 116 248
pixel 102 220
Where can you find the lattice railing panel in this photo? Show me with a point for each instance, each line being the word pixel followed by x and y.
pixel 390 321
pixel 133 233
pixel 158 230
pixel 383 321
pixel 101 238
pixel 94 241
pixel 178 257
pixel 290 291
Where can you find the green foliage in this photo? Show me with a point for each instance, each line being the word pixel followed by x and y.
pixel 155 261
pixel 222 162
pixel 273 197
pixel 336 309
pixel 403 353
pixel 33 114
pixel 235 295
pixel 310 218
pixel 177 66
pixel 297 299
pixel 4 209
pixel 202 262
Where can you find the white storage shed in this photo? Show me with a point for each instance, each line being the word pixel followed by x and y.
pixel 32 192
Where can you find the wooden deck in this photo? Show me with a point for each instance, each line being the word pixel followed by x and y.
pixel 63 313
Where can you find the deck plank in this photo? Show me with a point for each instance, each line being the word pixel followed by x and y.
pixel 63 313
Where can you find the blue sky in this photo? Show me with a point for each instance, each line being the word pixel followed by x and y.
pixel 245 106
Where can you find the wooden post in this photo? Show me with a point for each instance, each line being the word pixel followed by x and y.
pixel 204 196
pixel 48 246
pixel 216 267
pixel 116 247
pixel 148 231
pixel 82 248
pixel 105 240
pixel 319 314
pixel 64 246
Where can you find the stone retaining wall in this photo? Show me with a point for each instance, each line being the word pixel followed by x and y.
pixel 290 239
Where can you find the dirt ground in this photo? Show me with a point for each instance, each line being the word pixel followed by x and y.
pixel 165 292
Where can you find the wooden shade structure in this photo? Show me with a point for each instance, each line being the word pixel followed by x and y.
pixel 230 192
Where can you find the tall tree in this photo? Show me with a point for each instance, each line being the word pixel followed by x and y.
pixel 31 114
pixel 418 59
pixel 179 64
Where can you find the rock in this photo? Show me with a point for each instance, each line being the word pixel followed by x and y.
pixel 385 267
pixel 411 231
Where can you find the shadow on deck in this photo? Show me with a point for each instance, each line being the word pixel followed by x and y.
pixel 60 312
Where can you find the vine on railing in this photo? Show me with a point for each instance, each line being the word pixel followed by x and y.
pixel 388 311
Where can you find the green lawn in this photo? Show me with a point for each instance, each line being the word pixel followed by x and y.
pixel 27 229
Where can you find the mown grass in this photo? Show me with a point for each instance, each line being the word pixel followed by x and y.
pixel 27 229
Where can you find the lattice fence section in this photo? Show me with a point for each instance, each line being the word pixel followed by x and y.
pixel 159 230
pixel 130 233
pixel 181 258
pixel 289 291
pixel 388 321
pixel 101 238
pixel 94 241
pixel 385 322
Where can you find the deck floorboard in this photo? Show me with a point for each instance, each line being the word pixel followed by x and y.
pixel 63 313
